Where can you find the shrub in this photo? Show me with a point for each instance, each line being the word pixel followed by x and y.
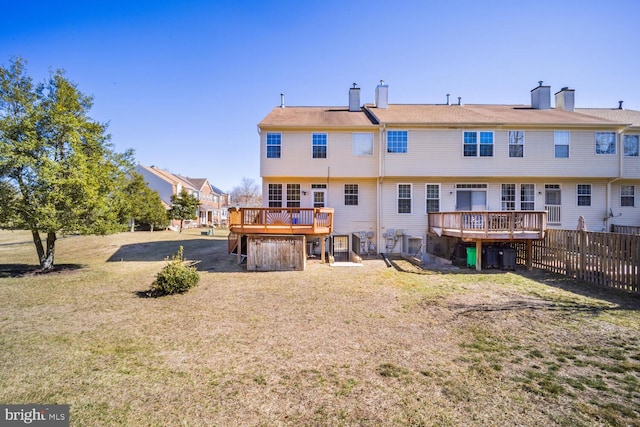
pixel 176 277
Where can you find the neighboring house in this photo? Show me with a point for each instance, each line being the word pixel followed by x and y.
pixel 383 167
pixel 220 206
pixel 210 212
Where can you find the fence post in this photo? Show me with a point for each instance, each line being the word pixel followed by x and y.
pixel 582 248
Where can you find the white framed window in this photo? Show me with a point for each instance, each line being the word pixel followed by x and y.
pixel 584 194
pixel 561 140
pixel 631 147
pixel 516 143
pixel 275 195
pixel 627 195
pixel 605 143
pixel 397 141
pixel 351 194
pixel 362 144
pixel 477 144
pixel 319 145
pixel 527 197
pixel 404 198
pixel 432 196
pixel 508 197
pixel 274 145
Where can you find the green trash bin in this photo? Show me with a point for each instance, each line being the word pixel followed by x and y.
pixel 471 257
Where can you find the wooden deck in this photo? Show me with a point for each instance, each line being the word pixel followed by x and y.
pixel 306 221
pixel 489 225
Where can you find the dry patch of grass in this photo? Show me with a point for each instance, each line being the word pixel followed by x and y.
pixel 371 346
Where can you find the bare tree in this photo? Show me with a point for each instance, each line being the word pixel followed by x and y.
pixel 247 194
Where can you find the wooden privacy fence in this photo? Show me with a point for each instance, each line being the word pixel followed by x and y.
pixel 608 259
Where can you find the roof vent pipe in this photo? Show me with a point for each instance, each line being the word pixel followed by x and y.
pixel 448 95
pixel 282 100
pixel 459 100
pixel 620 105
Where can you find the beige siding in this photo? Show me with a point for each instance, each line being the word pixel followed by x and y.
pixel 625 215
pixel 440 153
pixel 296 157
pixel 347 219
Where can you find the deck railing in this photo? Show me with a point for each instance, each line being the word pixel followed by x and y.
pixel 281 220
pixel 489 224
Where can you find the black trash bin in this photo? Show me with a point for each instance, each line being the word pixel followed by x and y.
pixel 508 259
pixel 490 257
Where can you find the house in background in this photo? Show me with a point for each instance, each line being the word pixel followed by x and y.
pixel 213 205
pixel 220 201
pixel 385 167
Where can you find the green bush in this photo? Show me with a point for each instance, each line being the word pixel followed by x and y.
pixel 176 277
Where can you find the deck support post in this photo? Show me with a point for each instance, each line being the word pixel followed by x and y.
pixel 478 255
pixel 529 255
pixel 322 248
pixel 239 248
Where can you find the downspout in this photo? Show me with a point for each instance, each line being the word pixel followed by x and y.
pixel 379 186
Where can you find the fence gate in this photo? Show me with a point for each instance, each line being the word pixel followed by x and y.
pixel 340 248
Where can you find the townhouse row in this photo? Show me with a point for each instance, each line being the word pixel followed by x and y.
pixel 385 166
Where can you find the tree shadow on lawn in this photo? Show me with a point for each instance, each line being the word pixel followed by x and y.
pixel 623 300
pixel 29 270
pixel 212 253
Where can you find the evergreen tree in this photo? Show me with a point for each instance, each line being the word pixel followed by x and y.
pixel 183 206
pixel 57 165
pixel 143 205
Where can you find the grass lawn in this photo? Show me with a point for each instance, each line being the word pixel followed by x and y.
pixel 369 346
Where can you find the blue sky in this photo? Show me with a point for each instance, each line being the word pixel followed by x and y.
pixel 184 83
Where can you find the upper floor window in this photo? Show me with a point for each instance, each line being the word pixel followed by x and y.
pixel 432 197
pixel 273 145
pixel 397 141
pixel 516 143
pixel 508 197
pixel 363 144
pixel 631 145
pixel 605 143
pixel 478 144
pixel 293 195
pixel 627 195
pixel 561 143
pixel 527 197
pixel 275 195
pixel 319 145
pixel 404 198
pixel 351 194
pixel 584 194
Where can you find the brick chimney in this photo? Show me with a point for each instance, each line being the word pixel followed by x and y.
pixel 541 97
